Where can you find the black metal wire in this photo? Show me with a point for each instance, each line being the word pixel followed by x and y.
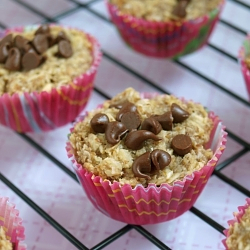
pixel 42 213
pixel 217 172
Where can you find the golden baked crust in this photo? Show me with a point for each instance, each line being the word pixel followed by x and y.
pixel 239 233
pixel 5 244
pixel 55 72
pixel 247 61
pixel 161 10
pixel 115 162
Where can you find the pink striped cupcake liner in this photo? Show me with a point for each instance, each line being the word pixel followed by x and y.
pixel 237 218
pixel 12 223
pixel 243 53
pixel 164 39
pixel 44 111
pixel 153 204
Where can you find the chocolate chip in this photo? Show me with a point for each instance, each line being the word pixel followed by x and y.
pixel 114 131
pixel 51 40
pixel 13 61
pixel 181 144
pixel 22 44
pixel 30 60
pixel 142 165
pixel 126 107
pixel 145 164
pixel 99 122
pixel 160 159
pixel 131 120
pixel 4 51
pixel 152 125
pixel 166 120
pixel 180 8
pixel 64 49
pixel 136 138
pixel 62 36
pixel 43 29
pixel 40 43
pixel 178 113
pixel 7 39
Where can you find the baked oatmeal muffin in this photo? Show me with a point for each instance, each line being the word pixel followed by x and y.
pixel 165 28
pixel 238 234
pixel 46 76
pixel 145 158
pixel 11 229
pixel 5 244
pixel 244 60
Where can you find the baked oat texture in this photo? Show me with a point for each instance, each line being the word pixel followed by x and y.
pixel 5 244
pixel 55 72
pixel 161 10
pixel 115 162
pixel 247 60
pixel 239 233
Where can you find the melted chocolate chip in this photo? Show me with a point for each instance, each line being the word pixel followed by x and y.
pixel 114 131
pixel 178 113
pixel 99 123
pixel 22 44
pixel 13 61
pixel 136 138
pixel 43 29
pixel 142 166
pixel 180 8
pixel 160 159
pixel 4 51
pixel 151 124
pixel 31 60
pixel 40 43
pixel 145 164
pixel 62 36
pixel 181 144
pixel 166 120
pixel 126 107
pixel 131 120
pixel 64 49
pixel 7 39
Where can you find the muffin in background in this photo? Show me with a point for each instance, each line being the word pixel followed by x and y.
pixel 46 76
pixel 165 28
pixel 238 233
pixel 145 158
pixel 244 60
pixel 11 229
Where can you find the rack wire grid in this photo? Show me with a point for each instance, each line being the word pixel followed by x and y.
pixel 36 174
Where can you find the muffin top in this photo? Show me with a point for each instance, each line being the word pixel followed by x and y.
pixel 66 54
pixel 166 10
pixel 136 140
pixel 239 233
pixel 5 244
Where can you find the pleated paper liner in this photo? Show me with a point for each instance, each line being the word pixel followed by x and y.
pixel 44 111
pixel 243 53
pixel 12 224
pixel 170 39
pixel 237 217
pixel 140 205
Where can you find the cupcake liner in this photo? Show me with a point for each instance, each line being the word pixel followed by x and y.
pixel 12 223
pixel 44 111
pixel 170 39
pixel 140 205
pixel 237 217
pixel 245 51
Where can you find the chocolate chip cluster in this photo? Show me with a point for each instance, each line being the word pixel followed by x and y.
pixel 128 122
pixel 180 8
pixel 19 53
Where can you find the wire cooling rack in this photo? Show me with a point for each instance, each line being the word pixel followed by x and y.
pixel 210 76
